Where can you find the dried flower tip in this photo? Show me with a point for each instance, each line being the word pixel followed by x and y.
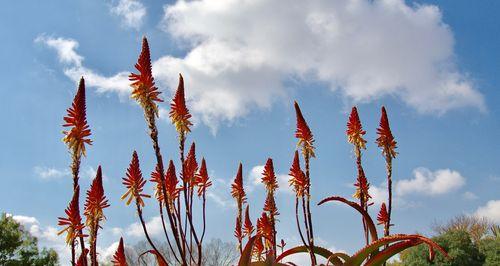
pixel 383 215
pixel 248 228
pixel 385 138
pixel 202 179
pixel 119 258
pixel 237 190
pixel 143 85
pixel 362 187
pixel 134 182
pixel 96 200
pixel 303 133
pixel 268 176
pixel 178 111
pixel 298 179
pixel 355 130
pixel 77 136
pixel 72 223
pixel 270 205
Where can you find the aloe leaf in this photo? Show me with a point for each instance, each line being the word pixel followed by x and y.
pixel 390 251
pixel 363 254
pixel 246 255
pixel 323 252
pixel 366 216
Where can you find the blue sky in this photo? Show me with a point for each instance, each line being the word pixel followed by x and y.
pixel 433 64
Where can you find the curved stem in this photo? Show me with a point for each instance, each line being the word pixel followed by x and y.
pixel 139 213
pixel 166 234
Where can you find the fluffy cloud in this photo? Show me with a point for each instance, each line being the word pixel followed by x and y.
pixel 131 12
pixel 154 226
pixel 428 182
pixel 490 211
pixel 48 173
pixel 240 54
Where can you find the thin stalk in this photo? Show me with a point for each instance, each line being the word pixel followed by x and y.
pixel 362 195
pixel 388 159
pixel 200 245
pixel 239 221
pixel 309 216
pixel 73 252
pixel 297 220
pixel 165 231
pixel 139 213
pixel 75 169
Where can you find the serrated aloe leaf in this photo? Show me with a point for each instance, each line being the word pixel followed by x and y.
pixel 246 255
pixel 323 252
pixel 363 254
pixel 357 207
pixel 390 251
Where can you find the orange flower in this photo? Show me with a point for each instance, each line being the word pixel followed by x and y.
pixel 268 176
pixel 156 177
pixel 248 228
pixel 143 84
pixel 362 187
pixel 119 258
pixel 265 229
pixel 202 179
pixel 178 111
pixel 385 138
pixel 237 230
pixel 171 183
pixel 190 166
pixel 355 131
pixel 73 221
pixel 76 119
pixel 96 200
pixel 237 190
pixel 303 133
pixel 298 179
pixel 383 216
pixel 270 205
pixel 134 182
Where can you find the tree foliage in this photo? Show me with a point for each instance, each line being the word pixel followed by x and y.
pixel 19 247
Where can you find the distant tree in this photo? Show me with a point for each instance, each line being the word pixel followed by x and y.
pixel 490 247
pixel 477 228
pixel 19 247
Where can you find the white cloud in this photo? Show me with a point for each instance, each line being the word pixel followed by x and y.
pixel 255 177
pixel 131 12
pixel 428 182
pixel 490 211
pixel 241 53
pixel 469 196
pixel 73 68
pixel 154 227
pixel 49 173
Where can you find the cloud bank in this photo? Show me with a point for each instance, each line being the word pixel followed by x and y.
pixel 240 54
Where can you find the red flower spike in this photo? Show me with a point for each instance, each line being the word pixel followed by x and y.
pixel 268 176
pixel 143 84
pixel 385 138
pixel 355 130
pixel 119 258
pixel 77 137
pixel 237 190
pixel 248 227
pixel 134 182
pixel 303 133
pixel 383 216
pixel 270 205
pixel 258 248
pixel 298 179
pixel 156 177
pixel 265 229
pixel 72 223
pixel 190 166
pixel 83 258
pixel 202 179
pixel 178 111
pixel 171 183
pixel 96 200
pixel 237 230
